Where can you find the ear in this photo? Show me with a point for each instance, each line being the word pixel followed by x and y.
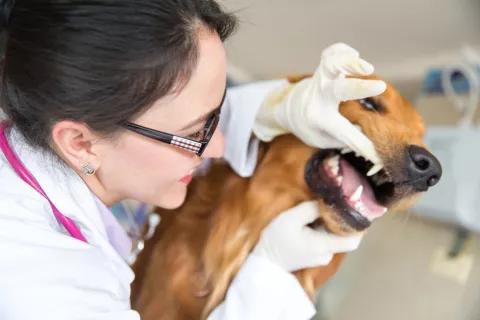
pixel 76 141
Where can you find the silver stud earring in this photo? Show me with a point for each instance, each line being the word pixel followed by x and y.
pixel 88 169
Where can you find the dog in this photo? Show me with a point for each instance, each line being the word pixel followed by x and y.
pixel 187 266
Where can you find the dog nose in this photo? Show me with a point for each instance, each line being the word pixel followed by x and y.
pixel 424 169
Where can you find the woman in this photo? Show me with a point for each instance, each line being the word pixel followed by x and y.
pixel 87 87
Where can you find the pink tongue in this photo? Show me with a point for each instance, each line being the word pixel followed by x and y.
pixel 351 181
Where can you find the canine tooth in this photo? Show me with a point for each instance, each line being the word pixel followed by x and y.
pixel 357 194
pixel 334 165
pixel 333 161
pixel 339 179
pixel 384 210
pixel 335 169
pixel 376 168
pixel 346 150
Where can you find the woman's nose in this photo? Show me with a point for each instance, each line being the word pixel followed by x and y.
pixel 216 146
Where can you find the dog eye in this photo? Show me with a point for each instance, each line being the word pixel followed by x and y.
pixel 370 104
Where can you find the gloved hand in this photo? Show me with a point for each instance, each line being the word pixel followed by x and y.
pixel 289 243
pixel 310 109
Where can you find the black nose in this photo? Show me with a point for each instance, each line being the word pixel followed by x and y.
pixel 423 169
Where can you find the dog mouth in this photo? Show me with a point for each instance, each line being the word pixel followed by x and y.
pixel 354 187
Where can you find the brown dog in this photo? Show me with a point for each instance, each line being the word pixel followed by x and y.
pixel 187 266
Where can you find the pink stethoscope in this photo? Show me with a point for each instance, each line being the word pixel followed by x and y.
pixel 30 180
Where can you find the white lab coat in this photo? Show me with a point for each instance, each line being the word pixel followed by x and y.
pixel 47 274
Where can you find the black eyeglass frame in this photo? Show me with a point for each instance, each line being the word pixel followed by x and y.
pixel 184 143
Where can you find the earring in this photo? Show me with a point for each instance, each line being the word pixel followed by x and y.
pixel 88 169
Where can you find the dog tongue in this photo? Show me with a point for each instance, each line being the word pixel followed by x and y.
pixel 351 181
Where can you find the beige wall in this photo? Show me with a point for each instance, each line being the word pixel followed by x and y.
pixel 399 36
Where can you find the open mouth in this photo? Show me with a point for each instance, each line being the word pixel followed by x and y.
pixel 351 185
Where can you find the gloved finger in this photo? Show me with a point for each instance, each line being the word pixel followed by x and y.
pixel 333 59
pixel 304 213
pixel 355 139
pixel 338 244
pixel 333 67
pixel 322 242
pixel 358 67
pixel 354 89
pixel 318 241
pixel 320 260
pixel 337 49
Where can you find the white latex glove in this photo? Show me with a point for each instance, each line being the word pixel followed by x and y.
pixel 288 242
pixel 311 109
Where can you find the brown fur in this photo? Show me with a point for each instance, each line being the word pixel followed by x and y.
pixel 188 265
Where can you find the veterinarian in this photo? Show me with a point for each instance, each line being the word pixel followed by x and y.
pixel 113 100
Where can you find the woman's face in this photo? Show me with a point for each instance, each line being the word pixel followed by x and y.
pixel 136 167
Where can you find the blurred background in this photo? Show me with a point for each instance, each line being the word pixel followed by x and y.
pixel 416 265
pixel 401 37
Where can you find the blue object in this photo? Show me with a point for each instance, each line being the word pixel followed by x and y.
pixel 230 82
pixel 432 83
pixel 131 216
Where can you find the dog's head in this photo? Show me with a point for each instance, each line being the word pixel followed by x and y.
pixel 352 190
pixel 225 214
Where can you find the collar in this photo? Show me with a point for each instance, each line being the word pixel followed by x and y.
pixel 70 194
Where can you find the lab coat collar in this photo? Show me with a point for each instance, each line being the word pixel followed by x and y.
pixel 66 190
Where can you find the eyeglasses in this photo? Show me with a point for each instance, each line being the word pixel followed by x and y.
pixel 198 147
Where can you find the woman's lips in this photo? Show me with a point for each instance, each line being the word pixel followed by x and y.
pixel 188 177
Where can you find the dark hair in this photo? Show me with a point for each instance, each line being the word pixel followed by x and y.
pixel 97 62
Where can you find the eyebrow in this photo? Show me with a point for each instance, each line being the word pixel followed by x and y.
pixel 205 116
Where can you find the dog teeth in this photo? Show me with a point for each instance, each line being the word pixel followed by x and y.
pixel 361 208
pixel 339 180
pixel 333 160
pixel 375 169
pixel 333 163
pixel 335 170
pixel 346 150
pixel 357 194
pixel 358 206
